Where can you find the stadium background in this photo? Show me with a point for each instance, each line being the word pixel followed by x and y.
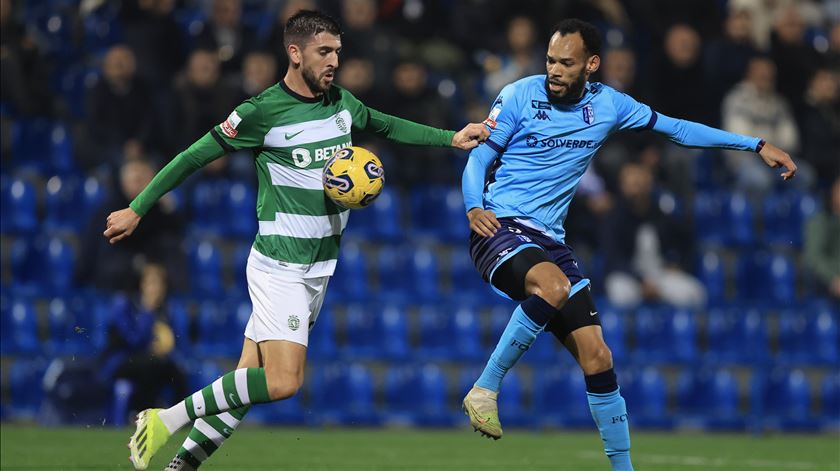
pixel 94 93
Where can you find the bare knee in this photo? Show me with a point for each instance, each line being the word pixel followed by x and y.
pixel 597 360
pixel 283 386
pixel 554 292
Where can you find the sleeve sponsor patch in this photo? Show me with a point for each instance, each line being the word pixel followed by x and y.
pixel 491 120
pixel 229 125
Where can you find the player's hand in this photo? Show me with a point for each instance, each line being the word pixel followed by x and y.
pixel 120 224
pixel 471 136
pixel 775 157
pixel 483 222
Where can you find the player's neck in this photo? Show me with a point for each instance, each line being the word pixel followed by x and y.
pixel 295 83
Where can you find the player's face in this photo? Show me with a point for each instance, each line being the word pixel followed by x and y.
pixel 568 66
pixel 319 61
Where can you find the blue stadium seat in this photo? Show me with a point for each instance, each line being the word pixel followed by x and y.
pixel 394 332
pixel 209 207
pixel 25 265
pixel 202 373
pixel 19 208
pixel 752 276
pixel 739 220
pixel 709 399
pixel 435 332
pixel 363 332
pixel 424 274
pixel 394 281
pixel 93 196
pixel 350 281
pixel 783 400
pixel 59 266
pixel 206 263
pixel 437 213
pixel 560 396
pixel 322 342
pixel 712 274
pixel 830 400
pixel 386 212
pixel 70 327
pixel 782 280
pixel 683 335
pixel 825 343
pixel 20 328
pixel 785 214
pixel 416 395
pixel 709 218
pixel 214 331
pixel 465 281
pixel 241 221
pixel 62 155
pixel 612 325
pixel 737 336
pixel 466 334
pixel 101 28
pixel 795 346
pixel 289 411
pixel 343 394
pixel 179 321
pixel 239 262
pixel 74 85
pixel 653 339
pixel 646 392
pixel 26 388
pixel 62 201
pixel 30 142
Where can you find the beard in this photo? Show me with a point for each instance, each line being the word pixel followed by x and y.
pixel 313 82
pixel 573 92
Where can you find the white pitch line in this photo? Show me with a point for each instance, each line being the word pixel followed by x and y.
pixel 703 461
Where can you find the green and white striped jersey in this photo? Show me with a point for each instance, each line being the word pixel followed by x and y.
pixel 291 138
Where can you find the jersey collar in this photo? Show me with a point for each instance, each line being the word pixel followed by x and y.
pixel 298 96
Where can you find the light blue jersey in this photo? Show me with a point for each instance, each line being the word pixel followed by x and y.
pixel 539 150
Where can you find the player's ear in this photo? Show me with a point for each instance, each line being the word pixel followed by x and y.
pixel 295 54
pixel 593 63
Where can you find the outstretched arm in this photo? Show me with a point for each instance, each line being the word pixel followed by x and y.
pixel 691 134
pixel 409 132
pixel 482 221
pixel 121 224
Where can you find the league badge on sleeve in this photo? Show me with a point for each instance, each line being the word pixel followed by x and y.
pixel 588 113
pixel 229 125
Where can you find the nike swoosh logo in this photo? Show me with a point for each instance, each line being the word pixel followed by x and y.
pixel 592 313
pixel 232 400
pixel 291 136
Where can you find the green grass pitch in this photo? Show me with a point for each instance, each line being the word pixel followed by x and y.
pixel 32 448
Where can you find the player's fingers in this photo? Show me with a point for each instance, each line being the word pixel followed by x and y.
pixel 491 223
pixel 484 229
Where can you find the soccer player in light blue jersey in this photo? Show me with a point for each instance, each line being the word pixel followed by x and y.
pixel 545 130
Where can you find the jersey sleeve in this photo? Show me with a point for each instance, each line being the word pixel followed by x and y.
pixel 630 113
pixel 690 134
pixel 244 128
pixel 199 154
pixel 393 128
pixel 504 118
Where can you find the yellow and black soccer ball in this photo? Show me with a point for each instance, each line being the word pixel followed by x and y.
pixel 353 177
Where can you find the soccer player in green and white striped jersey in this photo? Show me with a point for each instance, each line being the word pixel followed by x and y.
pixel 292 128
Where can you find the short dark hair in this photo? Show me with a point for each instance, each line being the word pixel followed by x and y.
pixel 590 34
pixel 307 23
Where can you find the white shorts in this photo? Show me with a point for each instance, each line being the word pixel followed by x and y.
pixel 286 305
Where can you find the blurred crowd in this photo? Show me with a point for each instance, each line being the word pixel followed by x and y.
pixel 136 81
